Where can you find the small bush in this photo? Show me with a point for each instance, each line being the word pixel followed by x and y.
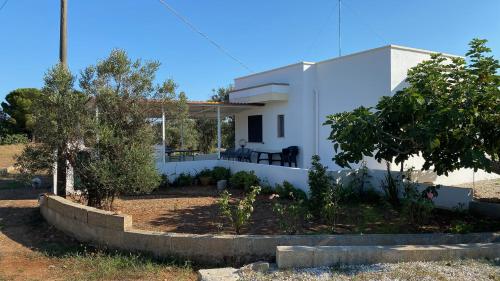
pixel 332 205
pixel 204 173
pixel 418 206
pixel 184 179
pixel 461 227
pixel 14 139
pixel 266 188
pixel 291 215
pixel 164 181
pixel 239 214
pixel 288 191
pixel 221 173
pixel 244 180
pixel 391 188
pixel 319 183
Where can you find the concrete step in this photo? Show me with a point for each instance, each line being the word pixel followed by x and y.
pixel 305 256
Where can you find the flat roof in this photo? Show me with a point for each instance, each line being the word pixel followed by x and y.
pixel 391 46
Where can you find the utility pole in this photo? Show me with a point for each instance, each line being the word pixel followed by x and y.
pixel 62 34
pixel 340 41
pixel 60 168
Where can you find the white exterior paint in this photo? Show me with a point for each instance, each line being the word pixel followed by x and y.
pixel 316 90
pixel 449 196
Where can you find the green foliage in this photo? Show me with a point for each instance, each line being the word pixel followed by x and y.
pixel 13 139
pixel 461 227
pixel 291 215
pixel 184 179
pixel 418 206
pixel 60 120
pixel 221 173
pixel 239 214
pixel 164 182
pixel 332 205
pixel 244 180
pixel 390 185
pixel 448 115
pixel 120 139
pixel 359 181
pixel 290 192
pixel 319 183
pixel 204 173
pixel 18 106
pixel 227 124
pixel 207 134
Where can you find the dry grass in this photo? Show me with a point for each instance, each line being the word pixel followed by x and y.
pixel 8 153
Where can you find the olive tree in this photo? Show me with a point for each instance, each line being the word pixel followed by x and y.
pixel 119 156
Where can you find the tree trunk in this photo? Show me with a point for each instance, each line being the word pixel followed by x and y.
pixel 495 167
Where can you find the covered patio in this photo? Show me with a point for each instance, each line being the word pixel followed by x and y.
pixel 196 110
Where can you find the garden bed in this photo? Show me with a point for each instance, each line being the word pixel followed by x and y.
pixel 194 210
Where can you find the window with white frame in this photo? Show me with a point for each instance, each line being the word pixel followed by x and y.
pixel 281 125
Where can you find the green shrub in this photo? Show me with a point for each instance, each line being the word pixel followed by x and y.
pixel 14 139
pixel 204 173
pixel 291 215
pixel 288 191
pixel 370 195
pixel 239 214
pixel 390 186
pixel 184 179
pixel 244 180
pixel 418 206
pixel 461 227
pixel 164 181
pixel 332 205
pixel 319 183
pixel 221 173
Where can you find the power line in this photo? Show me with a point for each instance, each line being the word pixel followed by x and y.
pixel 195 29
pixel 367 26
pixel 3 5
pixel 321 29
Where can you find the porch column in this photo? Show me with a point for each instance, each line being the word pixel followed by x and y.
pixel 163 151
pixel 219 133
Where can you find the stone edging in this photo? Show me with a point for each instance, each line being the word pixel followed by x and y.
pixel 115 231
pixel 303 256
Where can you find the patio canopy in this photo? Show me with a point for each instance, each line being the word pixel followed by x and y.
pixel 204 109
pixel 200 109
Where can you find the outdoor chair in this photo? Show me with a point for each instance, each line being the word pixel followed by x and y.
pixel 245 155
pixel 289 155
pixel 228 154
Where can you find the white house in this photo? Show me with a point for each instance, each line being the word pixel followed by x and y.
pixel 298 97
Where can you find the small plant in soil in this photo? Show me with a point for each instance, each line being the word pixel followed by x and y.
pixel 244 180
pixel 184 179
pixel 221 173
pixel 239 214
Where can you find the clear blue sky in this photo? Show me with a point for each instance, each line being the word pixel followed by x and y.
pixel 261 33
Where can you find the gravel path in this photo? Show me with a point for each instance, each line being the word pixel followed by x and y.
pixel 460 270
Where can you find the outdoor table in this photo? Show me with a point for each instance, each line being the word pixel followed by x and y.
pixel 270 155
pixel 183 153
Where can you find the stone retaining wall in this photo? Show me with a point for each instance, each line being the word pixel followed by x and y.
pixel 115 231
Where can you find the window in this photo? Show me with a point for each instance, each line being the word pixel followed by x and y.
pixel 255 128
pixel 281 126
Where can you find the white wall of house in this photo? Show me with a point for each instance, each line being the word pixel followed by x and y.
pixel 340 84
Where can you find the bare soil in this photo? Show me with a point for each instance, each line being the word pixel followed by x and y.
pixel 195 210
pixel 486 190
pixel 30 249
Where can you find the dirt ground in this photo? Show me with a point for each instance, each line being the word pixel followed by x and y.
pixel 8 153
pixel 195 210
pixel 30 249
pixel 487 190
